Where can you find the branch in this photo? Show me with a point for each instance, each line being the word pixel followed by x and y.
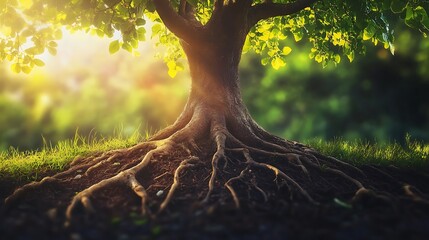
pixel 182 7
pixel 187 11
pixel 269 9
pixel 177 24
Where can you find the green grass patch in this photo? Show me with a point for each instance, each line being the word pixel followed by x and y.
pixel 412 155
pixel 32 165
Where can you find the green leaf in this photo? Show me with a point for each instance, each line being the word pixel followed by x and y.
pixel 34 50
pixel 53 44
pixel 156 28
pixel 114 46
pixel 264 61
pixel 134 43
pixel 172 68
pixel 351 56
pixel 369 31
pixel 412 18
pixel 298 36
pixel 52 51
pixel 126 46
pixel 420 13
pixel 277 63
pixel 409 13
pixel 140 22
pixel 337 58
pixel 318 58
pixel 286 50
pixel 38 62
pixel 172 73
pixel 26 69
pixel 100 33
pixel 141 34
pixel 272 52
pixel 16 67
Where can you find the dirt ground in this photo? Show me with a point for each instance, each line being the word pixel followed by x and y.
pixel 40 214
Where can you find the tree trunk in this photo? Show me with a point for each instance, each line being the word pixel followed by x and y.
pixel 215 98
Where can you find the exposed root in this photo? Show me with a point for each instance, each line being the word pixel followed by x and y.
pixel 220 138
pixel 228 185
pixel 262 192
pixel 277 172
pixel 31 186
pixel 336 172
pixel 415 194
pixel 187 163
pixel 139 191
pixel 341 163
pixel 102 162
pixel 127 177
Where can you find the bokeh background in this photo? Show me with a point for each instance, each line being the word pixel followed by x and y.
pixel 377 97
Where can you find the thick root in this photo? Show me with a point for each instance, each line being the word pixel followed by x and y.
pixel 18 193
pixel 127 177
pixel 188 163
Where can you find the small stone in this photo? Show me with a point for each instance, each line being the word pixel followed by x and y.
pixel 78 176
pixel 159 193
pixel 79 170
pixel 52 213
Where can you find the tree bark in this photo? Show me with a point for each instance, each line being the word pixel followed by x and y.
pixel 213 62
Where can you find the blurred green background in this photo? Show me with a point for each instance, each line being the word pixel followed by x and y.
pixel 377 97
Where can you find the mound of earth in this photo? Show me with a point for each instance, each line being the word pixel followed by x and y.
pixel 269 206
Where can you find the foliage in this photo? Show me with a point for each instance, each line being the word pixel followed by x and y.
pixel 334 28
pixel 30 165
pixel 379 97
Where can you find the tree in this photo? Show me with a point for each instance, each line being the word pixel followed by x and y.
pixel 214 135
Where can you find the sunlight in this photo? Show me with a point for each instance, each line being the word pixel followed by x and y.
pixel 83 84
pixel 83 49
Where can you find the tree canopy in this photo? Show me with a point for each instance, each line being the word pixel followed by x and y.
pixel 336 28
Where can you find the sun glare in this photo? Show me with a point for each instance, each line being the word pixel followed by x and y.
pixel 80 48
pixel 84 86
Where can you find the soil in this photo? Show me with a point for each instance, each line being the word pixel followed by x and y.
pixel 39 213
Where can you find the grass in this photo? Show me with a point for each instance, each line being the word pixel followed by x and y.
pixel 412 155
pixel 32 165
